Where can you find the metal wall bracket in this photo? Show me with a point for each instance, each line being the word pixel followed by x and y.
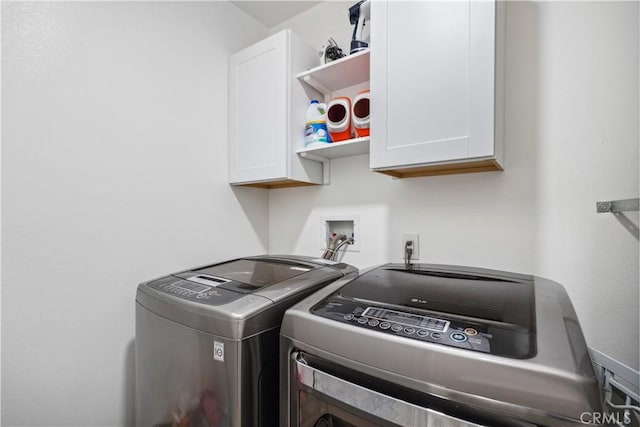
pixel 326 165
pixel 617 207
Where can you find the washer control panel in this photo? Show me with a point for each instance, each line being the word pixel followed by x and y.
pixel 440 330
pixel 193 291
pixel 188 289
pixel 406 319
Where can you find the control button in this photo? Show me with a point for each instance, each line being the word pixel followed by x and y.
pixel 436 335
pixel 409 330
pixel 471 332
pixel 363 320
pixel 385 325
pixel 202 296
pixel 396 328
pixel 348 316
pixel 373 322
pixel 458 337
pixel 423 333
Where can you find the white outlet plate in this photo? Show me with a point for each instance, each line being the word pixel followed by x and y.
pixel 415 238
pixel 342 223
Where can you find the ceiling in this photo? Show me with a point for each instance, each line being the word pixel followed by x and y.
pixel 272 13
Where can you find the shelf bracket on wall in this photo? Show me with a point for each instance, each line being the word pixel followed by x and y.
pixel 326 165
pixel 316 85
pixel 617 208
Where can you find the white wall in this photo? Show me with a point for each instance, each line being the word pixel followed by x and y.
pixel 571 140
pixel 114 171
pixel 466 219
pixel 587 151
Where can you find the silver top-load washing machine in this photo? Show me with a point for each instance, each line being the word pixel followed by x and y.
pixel 207 339
pixel 433 345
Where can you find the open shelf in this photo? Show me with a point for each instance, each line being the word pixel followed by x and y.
pixel 338 74
pixel 334 150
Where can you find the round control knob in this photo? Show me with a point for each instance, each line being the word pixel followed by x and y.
pixel 458 337
pixel 423 333
pixel 396 328
pixel 436 335
pixel 363 320
pixel 373 322
pixel 409 330
pixel 385 325
pixel 348 317
pixel 471 332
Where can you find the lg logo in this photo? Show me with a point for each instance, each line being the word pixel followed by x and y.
pixel 599 418
pixel 218 351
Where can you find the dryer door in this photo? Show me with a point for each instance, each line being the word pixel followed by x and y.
pixel 328 400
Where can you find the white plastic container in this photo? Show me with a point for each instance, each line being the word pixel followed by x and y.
pixel 360 113
pixel 339 119
pixel 316 128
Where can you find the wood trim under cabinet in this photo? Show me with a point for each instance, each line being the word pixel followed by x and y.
pixel 286 183
pixel 447 169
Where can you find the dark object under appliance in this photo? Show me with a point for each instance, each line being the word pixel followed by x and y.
pixel 433 343
pixel 207 339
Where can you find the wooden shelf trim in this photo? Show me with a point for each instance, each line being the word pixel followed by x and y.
pixel 489 165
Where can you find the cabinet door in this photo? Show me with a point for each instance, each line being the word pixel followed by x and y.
pixel 432 81
pixel 258 111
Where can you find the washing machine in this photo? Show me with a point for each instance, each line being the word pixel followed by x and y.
pixel 434 345
pixel 206 347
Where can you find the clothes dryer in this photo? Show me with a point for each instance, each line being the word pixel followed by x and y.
pixel 207 339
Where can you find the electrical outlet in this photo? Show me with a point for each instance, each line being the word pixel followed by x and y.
pixel 415 243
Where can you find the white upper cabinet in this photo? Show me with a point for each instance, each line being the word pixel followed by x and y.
pixel 267 109
pixel 436 87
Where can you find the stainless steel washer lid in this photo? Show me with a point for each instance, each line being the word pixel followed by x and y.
pixel 557 382
pixel 506 299
pixel 475 310
pixel 236 298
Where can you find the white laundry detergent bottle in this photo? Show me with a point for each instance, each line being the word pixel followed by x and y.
pixel 316 129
